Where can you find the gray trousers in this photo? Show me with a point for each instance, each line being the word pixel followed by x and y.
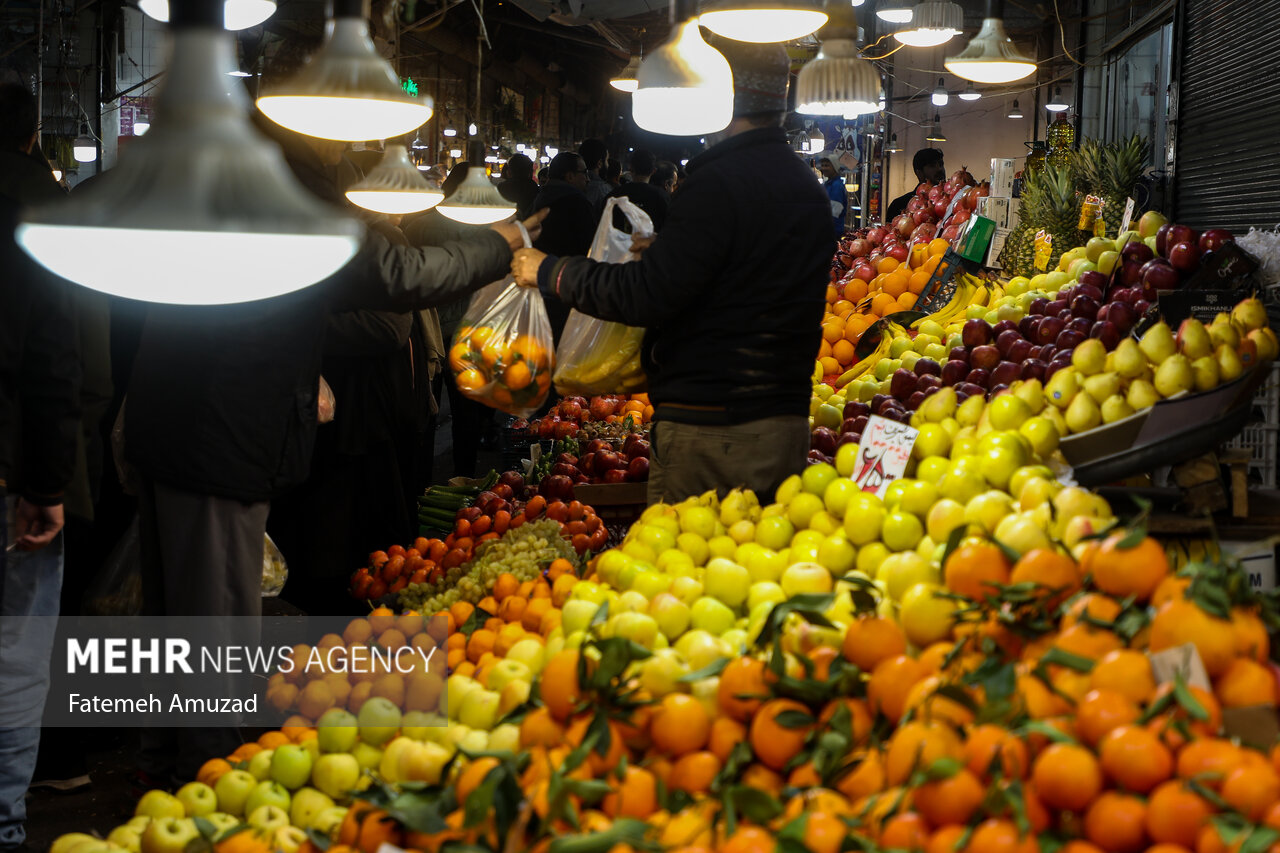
pixel 688 459
pixel 201 556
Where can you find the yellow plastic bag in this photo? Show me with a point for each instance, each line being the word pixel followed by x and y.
pixel 595 356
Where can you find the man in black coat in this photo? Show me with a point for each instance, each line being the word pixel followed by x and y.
pixel 570 226
pixel 731 294
pixel 518 184
pixel 649 198
pixel 39 424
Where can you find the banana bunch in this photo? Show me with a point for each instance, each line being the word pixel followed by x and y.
pixel 970 290
pixel 1183 551
pixel 610 365
pixel 868 364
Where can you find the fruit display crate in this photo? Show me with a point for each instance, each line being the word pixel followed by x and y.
pixel 618 505
pixel 1262 434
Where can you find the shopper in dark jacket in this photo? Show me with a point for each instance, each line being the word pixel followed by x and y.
pixel 518 184
pixel 731 294
pixel 571 220
pixel 649 198
pixel 39 427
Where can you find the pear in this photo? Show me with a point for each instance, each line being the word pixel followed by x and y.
pixel 1129 360
pixel 1204 373
pixel 1054 416
pixel 1089 357
pixel 1221 331
pixel 1158 343
pixel 1174 375
pixel 1229 366
pixel 1031 392
pixel 1265 340
pixel 1109 366
pixel 939 405
pixel 1250 314
pixel 1193 339
pixel 1102 386
pixel 1141 395
pixel 1062 388
pixel 970 411
pixel 1115 408
pixel 1083 414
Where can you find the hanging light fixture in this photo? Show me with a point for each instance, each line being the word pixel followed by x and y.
pixel 935 133
pixel 57 174
pixel 455 153
pixel 685 87
pixel 472 130
pixel 346 91
pixel 893 147
pixel 1057 104
pixel 450 131
pixel 969 93
pixel 838 81
pixel 933 22
pixel 476 201
pixel 894 11
pixel 551 150
pixel 991 56
pixel 236 14
pixel 940 96
pixel 817 142
pixel 1015 112
pixel 141 124
pixel 763 20
pixel 85 147
pixel 209 201
pixel 394 186
pixel 626 79
pixel 236 72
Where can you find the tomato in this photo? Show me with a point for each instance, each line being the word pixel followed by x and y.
pixel 573 528
pixel 501 521
pixel 462 527
pixel 556 511
pixel 420 576
pixel 581 542
pixel 377 589
pixel 360 582
pixel 377 559
pixel 393 568
pixel 396 551
pixel 576 510
pixel 599 538
pixel 535 507
pixel 401 583
pixel 422 545
pixel 481 525
pixel 455 557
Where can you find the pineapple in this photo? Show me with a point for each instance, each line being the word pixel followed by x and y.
pixel 1049 202
pixel 1109 172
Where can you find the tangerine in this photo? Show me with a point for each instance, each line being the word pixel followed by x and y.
pixel 1252 791
pixel 558 684
pixel 1182 621
pixel 917 745
pixel 1175 814
pixel 742 687
pixel 1127 672
pixel 891 682
pixel 1135 758
pixel 1057 573
pixel 1100 711
pixel 1066 776
pixel 1116 822
pixel 983 743
pixel 680 725
pixel 1245 683
pixel 774 744
pixel 1125 572
pixel 949 801
pixel 872 639
pixel 974 567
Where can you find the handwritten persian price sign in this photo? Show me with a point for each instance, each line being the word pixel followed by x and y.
pixel 883 454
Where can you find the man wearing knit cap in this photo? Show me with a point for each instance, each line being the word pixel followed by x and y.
pixel 731 294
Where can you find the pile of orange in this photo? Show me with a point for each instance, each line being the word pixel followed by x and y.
pixel 853 305
pixel 506 371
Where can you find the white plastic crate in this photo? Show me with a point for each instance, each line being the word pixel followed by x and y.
pixel 1261 440
pixel 1266 403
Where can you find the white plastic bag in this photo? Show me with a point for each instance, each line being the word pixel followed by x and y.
pixel 596 356
pixel 503 353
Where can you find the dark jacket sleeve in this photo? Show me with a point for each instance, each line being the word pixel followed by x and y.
pixel 49 393
pixel 363 333
pixel 403 278
pixel 570 228
pixel 670 276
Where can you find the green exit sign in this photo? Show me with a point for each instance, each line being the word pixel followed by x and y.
pixel 409 86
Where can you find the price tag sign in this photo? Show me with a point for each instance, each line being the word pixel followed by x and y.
pixel 883 454
pixel 1128 215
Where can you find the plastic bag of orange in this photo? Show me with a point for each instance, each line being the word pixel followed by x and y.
pixel 595 356
pixel 503 354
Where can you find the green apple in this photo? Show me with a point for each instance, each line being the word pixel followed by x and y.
pixel 722 546
pixel 506 671
pixel 197 799
pixel 268 793
pixel 660 674
pixel 287 839
pixel 775 532
pixel 336 775
pixel 699 648
pixel 610 566
pixel 742 531
pixel 944 516
pixel 336 730
pixel 988 509
pixel 805 577
pixel 764 564
pixel 640 628
pixel 233 789
pixel 308 803
pixel 836 554
pixel 369 757
pixel 126 837
pixel 140 822
pixel 658 537
pixel 329 820
pixel 671 614
pixel 511 696
pixel 378 720
pixel 650 584
pixel 712 615
pixel 925 616
pixel 693 545
pixel 902 571
pixel 480 709
pixel 576 614
pixel 505 738
pixel 167 835
pixel 687 589
pixel 697 519
pixel 837 495
pixel 629 602
pixel 870 556
pixel 901 531
pixel 931 469
pixel 764 592
pixel 727 581
pixel 260 764
pixel 269 818
pixel 222 822
pixel 157 804
pixel 64 843
pixel 291 765
pixel 863 519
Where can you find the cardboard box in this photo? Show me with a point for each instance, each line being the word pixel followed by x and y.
pixel 1002 177
pixel 997 244
pixel 995 208
pixel 976 239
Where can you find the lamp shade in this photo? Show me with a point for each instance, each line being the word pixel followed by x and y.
pixel 208 201
pixel 84 148
pixel 940 96
pixel 626 79
pixel 237 14
pixel 970 93
pixel 893 147
pixel 838 81
pixel 894 11
pixel 394 186
pixel 1057 103
pixel 1014 111
pixel 685 87
pixel 935 132
pixel 476 201
pixel 346 91
pixel 991 57
pixel 933 22
pixel 763 20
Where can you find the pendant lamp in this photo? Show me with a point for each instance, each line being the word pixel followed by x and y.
pixel 940 97
pixel 894 11
pixel 207 201
pixel 1015 112
pixel 476 201
pixel 626 79
pixel 395 186
pixel 1057 103
pixel 84 148
pixel 935 133
pixel 933 22
pixel 969 93
pixel 346 91
pixel 685 87
pixel 236 14
pixel 893 147
pixel 991 56
pixel 763 20
pixel 838 81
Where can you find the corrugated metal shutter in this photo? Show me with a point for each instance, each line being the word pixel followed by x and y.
pixel 1227 161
